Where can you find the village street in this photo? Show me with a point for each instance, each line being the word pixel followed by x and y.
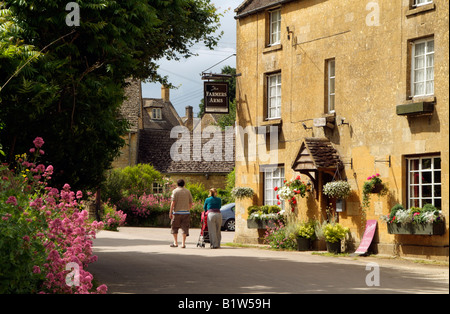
pixel 140 261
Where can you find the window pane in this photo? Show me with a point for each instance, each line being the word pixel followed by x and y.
pixel 437 191
pixel 430 60
pixel 414 164
pixel 414 191
pixel 430 87
pixel 437 177
pixel 430 46
pixel 419 62
pixel 419 89
pixel 331 104
pixel 419 75
pixel 426 163
pixel 414 178
pixel 420 49
pixel 437 163
pixel 332 68
pixel 438 203
pixel 426 177
pixel 426 191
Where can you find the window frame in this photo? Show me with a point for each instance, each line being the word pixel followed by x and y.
pixel 419 200
pixel 272 198
pixel 425 66
pixel 157 188
pixel 156 114
pixel 330 78
pixel 416 5
pixel 276 97
pixel 273 22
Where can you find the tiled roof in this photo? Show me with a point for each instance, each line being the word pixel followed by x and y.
pixel 315 154
pixel 155 146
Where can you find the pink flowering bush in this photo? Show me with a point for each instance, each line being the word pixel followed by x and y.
pixel 143 208
pixel 277 237
pixel 112 218
pixel 44 232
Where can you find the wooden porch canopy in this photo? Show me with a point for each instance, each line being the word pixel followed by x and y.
pixel 317 154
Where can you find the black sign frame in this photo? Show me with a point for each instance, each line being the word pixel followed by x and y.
pixel 216 97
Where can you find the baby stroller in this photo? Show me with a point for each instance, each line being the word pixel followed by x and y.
pixel 204 235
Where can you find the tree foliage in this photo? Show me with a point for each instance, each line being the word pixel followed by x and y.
pixel 66 84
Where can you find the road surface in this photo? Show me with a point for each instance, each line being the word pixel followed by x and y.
pixel 139 260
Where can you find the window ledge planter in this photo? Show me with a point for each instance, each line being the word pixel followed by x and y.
pixel 260 224
pixel 431 228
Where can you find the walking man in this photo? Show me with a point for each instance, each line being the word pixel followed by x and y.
pixel 179 213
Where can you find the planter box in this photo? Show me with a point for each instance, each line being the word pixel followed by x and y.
pixel 260 224
pixel 414 109
pixel 436 228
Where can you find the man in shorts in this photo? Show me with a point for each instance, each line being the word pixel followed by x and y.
pixel 179 213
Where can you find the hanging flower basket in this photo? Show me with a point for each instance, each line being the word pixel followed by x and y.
pixel 377 188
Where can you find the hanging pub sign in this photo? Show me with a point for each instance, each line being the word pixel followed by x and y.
pixel 216 97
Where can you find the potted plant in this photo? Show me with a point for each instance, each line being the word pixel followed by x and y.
pixel 340 190
pixel 334 233
pixel 419 221
pixel 242 192
pixel 305 234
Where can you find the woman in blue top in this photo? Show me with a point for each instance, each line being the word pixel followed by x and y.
pixel 212 207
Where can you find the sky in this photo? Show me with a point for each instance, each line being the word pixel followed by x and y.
pixel 185 74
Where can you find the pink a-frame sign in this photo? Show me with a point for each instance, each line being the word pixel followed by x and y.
pixel 371 227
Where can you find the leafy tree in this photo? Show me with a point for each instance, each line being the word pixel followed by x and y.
pixel 66 83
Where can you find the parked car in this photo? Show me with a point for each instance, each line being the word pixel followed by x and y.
pixel 228 217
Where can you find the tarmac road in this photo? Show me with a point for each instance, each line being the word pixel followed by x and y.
pixel 139 260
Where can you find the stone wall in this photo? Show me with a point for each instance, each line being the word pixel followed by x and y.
pixel 371 45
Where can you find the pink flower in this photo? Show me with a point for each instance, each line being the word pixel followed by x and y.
pixel 102 289
pixel 79 194
pixel 36 270
pixel 38 142
pixel 12 200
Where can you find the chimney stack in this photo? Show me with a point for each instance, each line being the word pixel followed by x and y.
pixel 165 93
pixel 189 117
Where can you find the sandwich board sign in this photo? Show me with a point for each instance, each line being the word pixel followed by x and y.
pixel 216 97
pixel 371 226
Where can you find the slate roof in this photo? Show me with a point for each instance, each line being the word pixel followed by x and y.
pixel 155 146
pixel 169 115
pixel 253 6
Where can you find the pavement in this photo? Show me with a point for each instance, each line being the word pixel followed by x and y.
pixel 140 261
